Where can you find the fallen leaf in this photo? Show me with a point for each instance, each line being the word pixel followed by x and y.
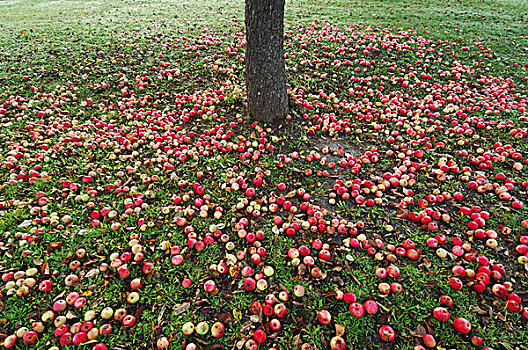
pixel 225 317
pixel 340 329
pixel 297 342
pixel 240 343
pixel 403 214
pixel 25 223
pixel 384 318
pixel 44 269
pixel 92 273
pixel 53 246
pixel 420 331
pixel 139 311
pixel 181 308
pixel 427 262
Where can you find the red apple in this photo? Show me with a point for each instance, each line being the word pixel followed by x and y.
pixel 59 305
pixel 462 325
pixel 275 324
pixel 45 286
pixel 87 326
pixel 447 300
pixel 393 271
pixel 280 310
pixel 349 298
pixel 384 288
pixel 441 314
pixel 135 284
pixel 381 272
pixel 106 329
pixel 260 336
pixel 217 330
pixel 455 283
pixel 356 309
pixel 255 307
pixel 324 317
pixel 429 341
pixel 371 306
pixel 499 290
pixel 209 286
pixel 249 284
pixel 60 330
pixel 66 339
pixel 459 271
pixel 512 305
pixel 80 337
pixel 476 340
pixel 267 309
pixel 129 321
pixel 251 345
pixel 162 343
pixel 30 337
pixel 396 287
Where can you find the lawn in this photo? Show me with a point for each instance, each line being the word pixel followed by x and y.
pixel 140 208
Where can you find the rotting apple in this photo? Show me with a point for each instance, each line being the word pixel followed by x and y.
pixel 387 333
pixel 337 343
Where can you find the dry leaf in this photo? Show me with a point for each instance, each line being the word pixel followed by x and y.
pixel 340 329
pixel 139 311
pixel 301 269
pixel 297 342
pixel 25 223
pixel 225 317
pixel 403 214
pixel 240 344
pixel 45 269
pixel 420 331
pixel 181 308
pixel 92 273
pixel 427 262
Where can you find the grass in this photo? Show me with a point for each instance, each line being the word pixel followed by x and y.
pixel 54 55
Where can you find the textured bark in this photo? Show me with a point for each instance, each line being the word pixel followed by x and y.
pixel 265 72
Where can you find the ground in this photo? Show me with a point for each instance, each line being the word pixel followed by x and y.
pixel 138 200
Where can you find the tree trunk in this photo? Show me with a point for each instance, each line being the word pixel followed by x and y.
pixel 265 72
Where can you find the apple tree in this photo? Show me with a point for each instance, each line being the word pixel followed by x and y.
pixel 265 70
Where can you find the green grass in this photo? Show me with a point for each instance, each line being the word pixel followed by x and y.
pixel 65 48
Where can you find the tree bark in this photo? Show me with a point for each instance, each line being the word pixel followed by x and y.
pixel 265 71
